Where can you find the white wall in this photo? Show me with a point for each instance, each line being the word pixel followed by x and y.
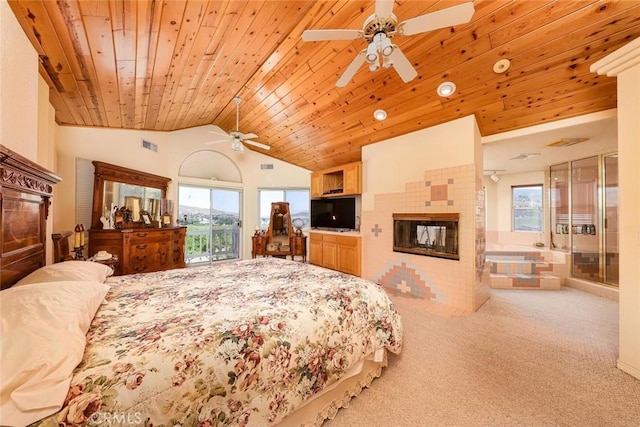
pixel 625 65
pixel 18 87
pixel 629 216
pixel 26 116
pixel 123 148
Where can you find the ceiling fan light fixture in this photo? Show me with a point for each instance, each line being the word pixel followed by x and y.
pixel 386 48
pixel 374 66
pixel 446 89
pixel 237 146
pixel 387 62
pixel 372 53
pixel 380 115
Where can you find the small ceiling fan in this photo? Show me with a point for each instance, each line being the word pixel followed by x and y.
pixel 380 28
pixel 238 138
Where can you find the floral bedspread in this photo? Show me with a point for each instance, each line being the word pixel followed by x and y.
pixel 235 344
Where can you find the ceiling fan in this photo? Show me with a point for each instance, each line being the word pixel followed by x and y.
pixel 238 138
pixel 380 28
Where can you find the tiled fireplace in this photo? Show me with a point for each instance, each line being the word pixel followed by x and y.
pixel 434 234
pixel 427 242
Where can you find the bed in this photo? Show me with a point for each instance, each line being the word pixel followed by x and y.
pixel 246 343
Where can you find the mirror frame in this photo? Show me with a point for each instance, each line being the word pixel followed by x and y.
pixel 108 172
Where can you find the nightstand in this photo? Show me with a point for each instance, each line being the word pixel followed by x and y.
pixel 112 262
pixel 299 247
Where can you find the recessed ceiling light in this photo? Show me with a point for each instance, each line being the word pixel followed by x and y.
pixel 380 115
pixel 501 66
pixel 446 89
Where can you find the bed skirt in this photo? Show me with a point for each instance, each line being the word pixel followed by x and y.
pixel 325 406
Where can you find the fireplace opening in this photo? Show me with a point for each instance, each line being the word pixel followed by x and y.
pixel 433 235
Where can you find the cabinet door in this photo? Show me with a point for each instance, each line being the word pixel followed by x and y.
pixel 348 260
pixel 316 184
pixel 330 255
pixel 315 249
pixel 352 180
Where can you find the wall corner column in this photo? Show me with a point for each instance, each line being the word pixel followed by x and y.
pixel 625 65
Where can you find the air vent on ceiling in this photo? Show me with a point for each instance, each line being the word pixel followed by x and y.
pixel 266 166
pixel 525 156
pixel 565 142
pixel 149 146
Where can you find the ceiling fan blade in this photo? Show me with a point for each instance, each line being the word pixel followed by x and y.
pixel 402 65
pixel 322 35
pixel 257 144
pixel 352 68
pixel 216 142
pixel 439 19
pixel 384 8
pixel 218 133
pixel 248 136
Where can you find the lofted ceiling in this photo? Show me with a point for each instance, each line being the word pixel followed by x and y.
pixel 169 65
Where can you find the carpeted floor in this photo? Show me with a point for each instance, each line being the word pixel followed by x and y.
pixel 526 358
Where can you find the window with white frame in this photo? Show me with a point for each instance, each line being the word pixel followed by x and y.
pixel 298 199
pixel 527 207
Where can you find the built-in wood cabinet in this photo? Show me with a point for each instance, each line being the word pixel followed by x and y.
pixel 342 180
pixel 335 251
pixel 141 250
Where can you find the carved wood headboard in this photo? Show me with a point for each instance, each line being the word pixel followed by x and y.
pixel 25 192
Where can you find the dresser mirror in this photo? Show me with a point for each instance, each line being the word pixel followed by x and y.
pixel 280 228
pixel 116 187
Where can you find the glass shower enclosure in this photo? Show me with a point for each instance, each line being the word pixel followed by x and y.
pixel 584 216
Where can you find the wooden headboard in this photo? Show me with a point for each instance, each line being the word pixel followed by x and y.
pixel 25 190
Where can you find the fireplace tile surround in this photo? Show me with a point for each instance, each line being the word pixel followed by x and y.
pixel 461 285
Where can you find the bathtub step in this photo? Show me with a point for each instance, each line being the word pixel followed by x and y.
pixel 524 281
pixel 523 270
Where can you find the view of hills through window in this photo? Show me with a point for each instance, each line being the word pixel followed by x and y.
pixel 527 208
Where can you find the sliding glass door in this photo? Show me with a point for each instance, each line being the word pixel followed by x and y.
pixel 212 217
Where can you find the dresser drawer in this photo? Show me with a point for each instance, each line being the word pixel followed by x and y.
pixel 148 236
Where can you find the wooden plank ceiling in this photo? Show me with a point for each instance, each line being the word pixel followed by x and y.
pixel 167 65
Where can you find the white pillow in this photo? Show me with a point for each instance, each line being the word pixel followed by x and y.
pixel 68 270
pixel 42 340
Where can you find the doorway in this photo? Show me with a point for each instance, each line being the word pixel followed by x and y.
pixel 212 217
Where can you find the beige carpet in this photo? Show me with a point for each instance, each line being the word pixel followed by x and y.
pixel 526 358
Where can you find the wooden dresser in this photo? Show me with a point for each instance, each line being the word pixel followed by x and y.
pixel 297 247
pixel 279 239
pixel 141 250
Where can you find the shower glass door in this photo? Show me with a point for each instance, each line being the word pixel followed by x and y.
pixel 585 241
pixel 611 251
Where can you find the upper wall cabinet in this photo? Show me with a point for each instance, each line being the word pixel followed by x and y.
pixel 342 180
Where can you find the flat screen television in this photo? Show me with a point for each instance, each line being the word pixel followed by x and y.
pixel 333 213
